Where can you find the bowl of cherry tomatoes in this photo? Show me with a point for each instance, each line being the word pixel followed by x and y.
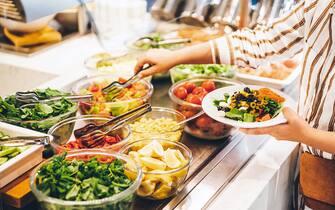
pixel 64 139
pixel 187 96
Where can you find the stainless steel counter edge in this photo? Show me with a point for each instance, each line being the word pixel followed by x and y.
pixel 212 179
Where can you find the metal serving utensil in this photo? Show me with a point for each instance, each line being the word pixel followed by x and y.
pixel 92 127
pixel 115 88
pixel 30 98
pixel 19 141
pixel 92 135
pixel 152 42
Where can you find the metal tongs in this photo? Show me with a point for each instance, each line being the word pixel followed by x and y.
pixel 30 98
pixel 19 141
pixel 115 88
pixel 152 42
pixel 91 134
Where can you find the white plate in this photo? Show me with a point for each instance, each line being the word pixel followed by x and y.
pixel 211 110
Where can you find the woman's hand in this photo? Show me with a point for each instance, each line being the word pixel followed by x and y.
pixel 295 129
pixel 161 61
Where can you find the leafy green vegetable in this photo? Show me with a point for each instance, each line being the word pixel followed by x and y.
pixel 10 110
pixel 185 71
pixel 235 114
pixel 78 180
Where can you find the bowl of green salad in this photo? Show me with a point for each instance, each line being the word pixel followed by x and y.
pixel 86 179
pixel 40 117
pixel 186 71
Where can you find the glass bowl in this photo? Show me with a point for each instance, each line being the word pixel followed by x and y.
pixel 101 105
pixel 186 71
pixel 120 201
pixel 64 140
pixel 203 126
pixel 159 123
pixel 43 125
pixel 160 184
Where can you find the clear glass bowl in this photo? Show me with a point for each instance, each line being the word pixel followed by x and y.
pixel 63 133
pixel 147 131
pixel 212 130
pixel 163 184
pixel 182 72
pixel 120 201
pixel 45 124
pixel 114 108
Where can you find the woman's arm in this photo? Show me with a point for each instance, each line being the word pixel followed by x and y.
pixel 280 39
pixel 296 129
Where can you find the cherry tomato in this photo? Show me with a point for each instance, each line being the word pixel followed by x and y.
pixel 181 92
pixel 203 122
pixel 217 129
pixel 110 139
pixel 188 113
pixel 94 88
pixel 208 85
pixel 194 99
pixel 189 86
pixel 199 91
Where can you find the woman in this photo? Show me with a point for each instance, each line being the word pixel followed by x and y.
pixel 308 28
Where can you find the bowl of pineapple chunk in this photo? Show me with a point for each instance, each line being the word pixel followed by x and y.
pixel 165 165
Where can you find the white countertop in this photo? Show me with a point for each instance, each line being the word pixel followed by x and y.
pixel 65 57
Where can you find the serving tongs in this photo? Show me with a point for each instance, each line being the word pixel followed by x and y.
pixel 19 141
pixel 92 134
pixel 115 88
pixel 152 42
pixel 30 98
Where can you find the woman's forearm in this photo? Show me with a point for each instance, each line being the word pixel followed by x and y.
pixel 196 54
pixel 319 139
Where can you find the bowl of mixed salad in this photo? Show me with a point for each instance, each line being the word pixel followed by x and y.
pixel 143 43
pixel 185 71
pixel 64 140
pixel 85 179
pixel 247 106
pixel 187 96
pixel 39 117
pixel 106 104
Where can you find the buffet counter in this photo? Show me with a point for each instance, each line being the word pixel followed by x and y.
pixel 239 172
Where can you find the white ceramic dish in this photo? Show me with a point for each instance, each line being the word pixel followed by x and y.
pixel 23 162
pixel 269 82
pixel 273 83
pixel 211 110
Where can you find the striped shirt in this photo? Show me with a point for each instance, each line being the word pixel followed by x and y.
pixel 308 28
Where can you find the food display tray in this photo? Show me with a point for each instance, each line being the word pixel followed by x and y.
pixel 21 163
pixel 269 82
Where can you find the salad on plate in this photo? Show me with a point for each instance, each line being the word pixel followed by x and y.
pixel 250 105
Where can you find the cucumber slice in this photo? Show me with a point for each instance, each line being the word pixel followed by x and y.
pixel 3 160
